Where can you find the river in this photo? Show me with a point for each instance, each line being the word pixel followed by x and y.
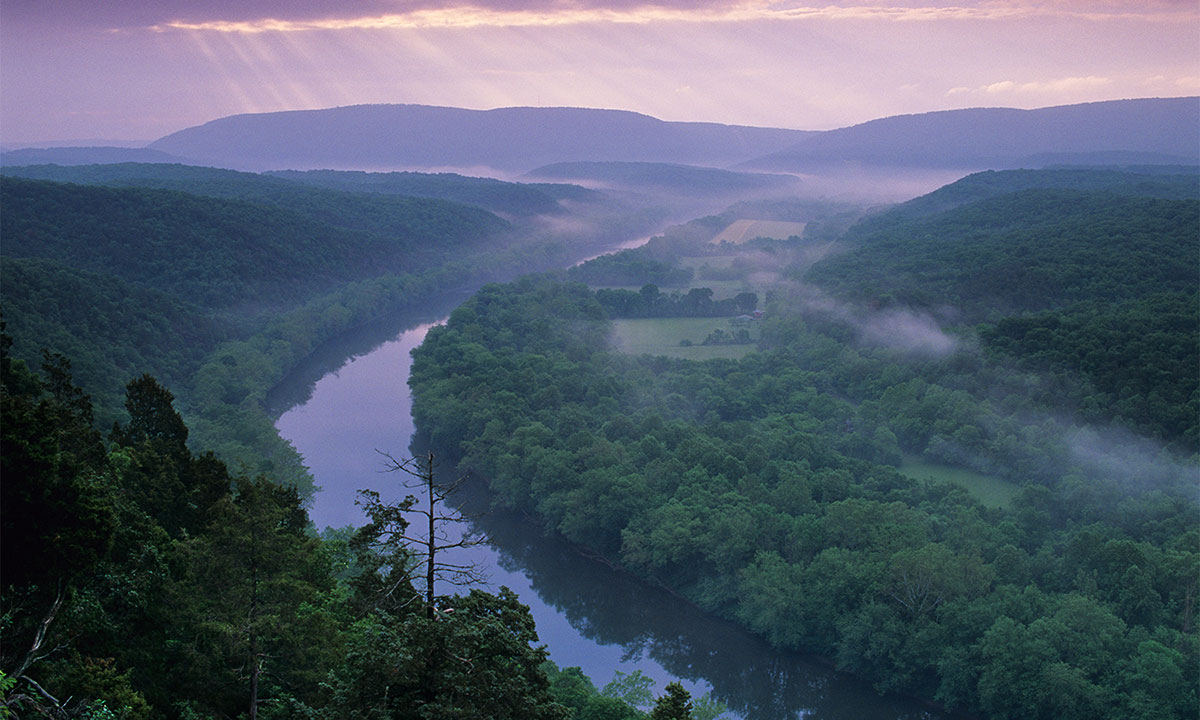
pixel 587 614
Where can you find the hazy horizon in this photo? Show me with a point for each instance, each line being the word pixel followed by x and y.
pixel 127 71
pixel 7 144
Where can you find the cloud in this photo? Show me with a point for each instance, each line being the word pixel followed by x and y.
pixel 243 16
pixel 898 328
pixel 1000 87
pixel 1057 86
pixel 534 13
pixel 908 331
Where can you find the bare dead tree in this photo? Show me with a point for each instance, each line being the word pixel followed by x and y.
pixel 40 700
pixel 436 516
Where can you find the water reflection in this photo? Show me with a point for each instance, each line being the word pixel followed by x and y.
pixel 356 401
pixel 611 608
pixel 331 356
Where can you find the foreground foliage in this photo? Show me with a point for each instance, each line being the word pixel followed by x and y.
pixel 143 581
pixel 148 579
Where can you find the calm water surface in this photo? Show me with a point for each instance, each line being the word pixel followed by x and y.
pixel 586 613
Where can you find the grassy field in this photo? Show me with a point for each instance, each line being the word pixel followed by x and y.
pixel 991 491
pixel 742 230
pixel 661 336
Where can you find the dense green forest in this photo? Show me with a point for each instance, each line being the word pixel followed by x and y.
pixel 142 580
pixel 217 296
pixel 298 189
pixel 214 253
pixel 1037 328
pixel 495 195
pixel 1097 286
pixel 767 490
pixel 632 267
pixel 389 221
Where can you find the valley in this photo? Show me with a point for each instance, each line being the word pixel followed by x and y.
pixel 734 434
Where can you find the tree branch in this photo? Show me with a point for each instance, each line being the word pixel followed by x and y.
pixel 39 637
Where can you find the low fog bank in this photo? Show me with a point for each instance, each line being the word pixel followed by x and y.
pixel 1096 458
pixel 909 331
pixel 872 185
pixel 1136 462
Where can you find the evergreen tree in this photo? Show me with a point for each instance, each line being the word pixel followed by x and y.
pixel 676 704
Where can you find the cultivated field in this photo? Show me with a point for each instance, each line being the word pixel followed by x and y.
pixel 739 231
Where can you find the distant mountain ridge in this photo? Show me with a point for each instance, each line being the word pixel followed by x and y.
pixel 84 155
pixel 514 139
pixel 1142 131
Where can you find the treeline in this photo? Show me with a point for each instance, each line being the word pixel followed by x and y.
pixel 488 193
pixel 762 490
pixel 651 302
pixel 630 267
pixel 1023 251
pixel 142 580
pixel 1168 182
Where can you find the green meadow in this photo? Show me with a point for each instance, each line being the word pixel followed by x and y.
pixel 989 490
pixel 661 336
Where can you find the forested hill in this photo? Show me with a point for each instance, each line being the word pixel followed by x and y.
pixel 1168 182
pixel 389 215
pixel 996 243
pixel 765 490
pixel 414 136
pixel 110 327
pixel 300 190
pixel 1086 274
pixel 495 195
pixel 215 295
pixel 224 252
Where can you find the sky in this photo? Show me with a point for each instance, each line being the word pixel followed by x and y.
pixel 135 70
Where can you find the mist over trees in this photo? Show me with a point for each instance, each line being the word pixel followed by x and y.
pixel 949 446
pixel 765 489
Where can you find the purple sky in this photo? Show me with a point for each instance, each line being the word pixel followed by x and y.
pixel 139 69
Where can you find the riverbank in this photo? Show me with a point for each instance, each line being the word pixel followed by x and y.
pixel 234 399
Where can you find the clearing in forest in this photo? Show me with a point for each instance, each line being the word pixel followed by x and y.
pixel 987 489
pixel 661 336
